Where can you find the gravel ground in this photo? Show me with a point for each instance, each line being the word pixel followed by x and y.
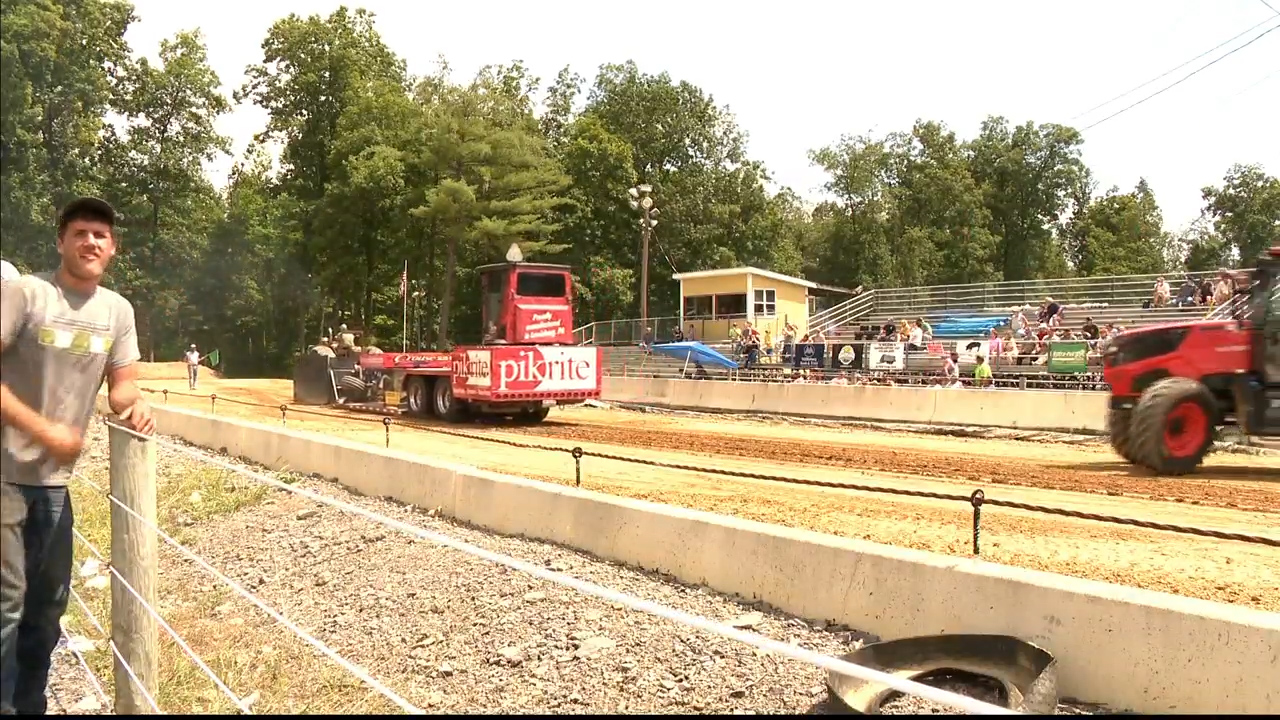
pixel 452 633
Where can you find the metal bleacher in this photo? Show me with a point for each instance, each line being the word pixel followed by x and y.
pixel 1116 299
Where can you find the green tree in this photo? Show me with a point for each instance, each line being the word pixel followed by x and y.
pixel 495 182
pixel 58 64
pixel 1121 234
pixel 157 169
pixel 1246 211
pixel 1026 174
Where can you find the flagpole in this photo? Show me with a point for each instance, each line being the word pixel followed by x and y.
pixel 404 311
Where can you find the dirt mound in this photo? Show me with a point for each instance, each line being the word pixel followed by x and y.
pixel 169 371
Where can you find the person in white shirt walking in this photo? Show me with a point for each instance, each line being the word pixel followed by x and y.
pixel 193 366
pixel 8 271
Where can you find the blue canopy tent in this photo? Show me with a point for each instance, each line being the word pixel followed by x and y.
pixel 693 351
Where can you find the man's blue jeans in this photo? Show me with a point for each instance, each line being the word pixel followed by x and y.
pixel 36 555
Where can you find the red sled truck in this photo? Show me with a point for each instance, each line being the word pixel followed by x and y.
pixel 525 365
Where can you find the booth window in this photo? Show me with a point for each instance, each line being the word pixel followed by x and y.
pixel 766 302
pixel 731 306
pixel 698 306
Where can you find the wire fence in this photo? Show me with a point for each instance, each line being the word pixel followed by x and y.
pixel 135 672
pixel 977 499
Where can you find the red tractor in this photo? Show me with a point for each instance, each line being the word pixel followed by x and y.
pixel 1173 385
pixel 525 365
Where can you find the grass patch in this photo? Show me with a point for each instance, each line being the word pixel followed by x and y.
pixel 255 656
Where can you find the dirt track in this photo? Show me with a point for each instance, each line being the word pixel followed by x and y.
pixel 1240 493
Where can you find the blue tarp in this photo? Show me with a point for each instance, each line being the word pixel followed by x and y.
pixel 693 351
pixel 973 326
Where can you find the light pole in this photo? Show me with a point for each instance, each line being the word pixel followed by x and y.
pixel 642 200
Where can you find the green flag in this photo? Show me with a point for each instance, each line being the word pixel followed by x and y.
pixel 212 357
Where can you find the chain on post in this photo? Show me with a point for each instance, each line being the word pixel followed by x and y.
pixel 165 392
pixel 283 409
pixel 577 466
pixel 213 403
pixel 386 425
pixel 976 500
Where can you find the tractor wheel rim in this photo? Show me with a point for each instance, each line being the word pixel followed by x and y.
pixel 1185 429
pixel 416 392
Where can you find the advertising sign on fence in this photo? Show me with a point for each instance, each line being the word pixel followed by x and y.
pixel 1068 357
pixel 969 350
pixel 886 356
pixel 809 355
pixel 847 356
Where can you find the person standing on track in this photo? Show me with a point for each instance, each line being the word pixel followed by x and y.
pixel 193 366
pixel 60 335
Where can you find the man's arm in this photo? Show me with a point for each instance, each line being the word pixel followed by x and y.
pixel 123 394
pixel 13 317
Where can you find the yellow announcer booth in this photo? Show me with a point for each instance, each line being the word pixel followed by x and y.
pixel 714 300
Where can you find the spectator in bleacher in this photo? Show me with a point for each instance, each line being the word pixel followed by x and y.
pixel 1160 294
pixel 767 343
pixel 735 339
pixel 1051 313
pixel 1186 294
pixel 788 341
pixel 1222 289
pixel 888 333
pixel 820 337
pixel 646 340
pixel 1206 291
pixel 927 328
pixel 981 372
pixel 1089 329
pixel 915 337
pixel 1020 324
pixel 690 334
pixel 677 335
pixel 1010 347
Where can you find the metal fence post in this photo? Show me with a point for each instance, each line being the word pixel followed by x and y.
pixel 134 556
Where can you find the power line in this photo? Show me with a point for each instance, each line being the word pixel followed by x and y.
pixel 1264 2
pixel 1187 77
pixel 1171 70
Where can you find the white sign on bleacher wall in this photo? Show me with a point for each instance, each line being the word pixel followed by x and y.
pixel 886 356
pixel 969 350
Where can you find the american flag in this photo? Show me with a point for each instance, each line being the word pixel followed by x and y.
pixel 404 280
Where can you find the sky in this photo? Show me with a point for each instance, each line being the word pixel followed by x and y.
pixel 800 74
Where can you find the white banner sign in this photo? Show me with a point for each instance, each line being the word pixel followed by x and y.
pixel 886 356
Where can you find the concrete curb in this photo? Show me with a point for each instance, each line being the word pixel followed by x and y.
pixel 1124 647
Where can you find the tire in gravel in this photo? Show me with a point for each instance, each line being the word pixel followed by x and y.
pixel 1172 426
pixel 1118 426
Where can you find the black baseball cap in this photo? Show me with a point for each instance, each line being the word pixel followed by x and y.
pixel 87 206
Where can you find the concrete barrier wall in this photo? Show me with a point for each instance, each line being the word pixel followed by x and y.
pixel 1022 409
pixel 1128 648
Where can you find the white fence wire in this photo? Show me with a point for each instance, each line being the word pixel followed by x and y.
pixel 950 699
pixel 111 644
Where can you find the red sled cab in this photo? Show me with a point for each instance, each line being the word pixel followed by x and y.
pixel 525 365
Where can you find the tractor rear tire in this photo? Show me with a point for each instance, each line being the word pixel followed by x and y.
pixel 1119 424
pixel 445 406
pixel 417 396
pixel 1172 427
pixel 354 384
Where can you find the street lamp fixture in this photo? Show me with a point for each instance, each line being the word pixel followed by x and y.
pixel 642 201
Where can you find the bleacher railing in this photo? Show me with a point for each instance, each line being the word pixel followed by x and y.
pixel 1123 294
pixel 847 312
pixel 1124 290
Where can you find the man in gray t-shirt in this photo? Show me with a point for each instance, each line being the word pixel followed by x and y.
pixel 61 335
